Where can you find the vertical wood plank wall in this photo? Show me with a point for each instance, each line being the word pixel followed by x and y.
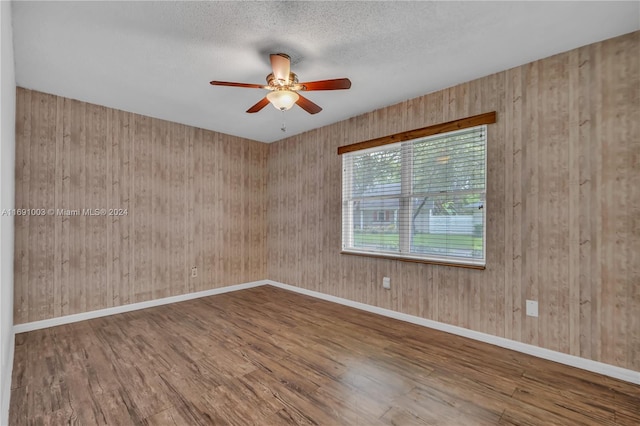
pixel 563 207
pixel 194 198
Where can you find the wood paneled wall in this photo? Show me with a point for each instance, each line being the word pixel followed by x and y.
pixel 563 207
pixel 193 198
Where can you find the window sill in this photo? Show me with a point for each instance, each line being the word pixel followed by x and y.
pixel 414 260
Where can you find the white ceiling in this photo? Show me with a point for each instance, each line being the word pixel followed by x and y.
pixel 157 58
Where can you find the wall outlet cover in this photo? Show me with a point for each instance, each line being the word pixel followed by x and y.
pixel 386 283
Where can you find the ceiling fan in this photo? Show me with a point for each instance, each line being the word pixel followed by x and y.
pixel 284 87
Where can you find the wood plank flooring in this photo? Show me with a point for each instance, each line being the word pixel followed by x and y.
pixel 267 356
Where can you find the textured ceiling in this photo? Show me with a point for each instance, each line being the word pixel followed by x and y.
pixel 157 58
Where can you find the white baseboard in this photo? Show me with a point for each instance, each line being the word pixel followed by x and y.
pixel 562 358
pixel 6 383
pixel 37 325
pixel 570 360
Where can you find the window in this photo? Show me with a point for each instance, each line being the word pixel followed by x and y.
pixel 422 199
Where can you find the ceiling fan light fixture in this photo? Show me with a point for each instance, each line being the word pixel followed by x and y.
pixel 282 99
pixel 283 86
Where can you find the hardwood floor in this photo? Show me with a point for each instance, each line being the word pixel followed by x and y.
pixel 267 356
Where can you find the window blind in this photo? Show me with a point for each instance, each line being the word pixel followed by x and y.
pixel 419 199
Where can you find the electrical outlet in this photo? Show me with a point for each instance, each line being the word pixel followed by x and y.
pixel 532 308
pixel 194 272
pixel 386 283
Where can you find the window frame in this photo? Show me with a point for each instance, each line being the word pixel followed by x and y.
pixel 405 140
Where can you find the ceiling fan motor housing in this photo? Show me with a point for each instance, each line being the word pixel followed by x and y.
pixel 272 81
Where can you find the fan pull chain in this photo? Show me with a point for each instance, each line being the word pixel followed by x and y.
pixel 284 125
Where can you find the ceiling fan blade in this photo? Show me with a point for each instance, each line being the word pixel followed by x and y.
pixel 281 65
pixel 335 84
pixel 228 83
pixel 257 107
pixel 307 105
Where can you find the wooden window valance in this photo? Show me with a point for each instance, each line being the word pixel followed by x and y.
pixel 463 123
